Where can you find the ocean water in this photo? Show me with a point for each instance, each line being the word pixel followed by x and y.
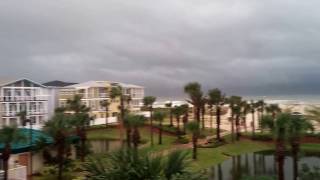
pixel 303 99
pixel 288 99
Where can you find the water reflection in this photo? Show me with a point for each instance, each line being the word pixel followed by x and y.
pixel 103 146
pixel 258 164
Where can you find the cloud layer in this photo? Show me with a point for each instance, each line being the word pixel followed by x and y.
pixel 243 47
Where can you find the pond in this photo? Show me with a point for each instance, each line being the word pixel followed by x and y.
pixel 259 164
pixel 103 146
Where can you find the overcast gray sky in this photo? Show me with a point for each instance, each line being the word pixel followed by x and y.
pixel 244 47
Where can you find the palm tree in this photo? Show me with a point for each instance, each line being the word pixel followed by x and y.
pixel 203 112
pixel 217 99
pixel 279 128
pixel 313 113
pixel 237 112
pixel 178 111
pixel 195 93
pixel 59 128
pixel 185 119
pixel 273 109
pixel 169 106
pixel 80 120
pixel 298 126
pixel 234 104
pixel 245 111
pixel 116 92
pixel 106 104
pixel 136 121
pixel 261 108
pixel 194 128
pixel 127 123
pixel 9 135
pixel 148 102
pixel 253 107
pixel 159 116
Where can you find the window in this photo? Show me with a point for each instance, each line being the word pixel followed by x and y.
pixel 114 114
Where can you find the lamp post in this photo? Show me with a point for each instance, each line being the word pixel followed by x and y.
pixel 24 123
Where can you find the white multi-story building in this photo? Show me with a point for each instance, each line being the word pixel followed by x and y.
pixel 135 92
pixel 25 95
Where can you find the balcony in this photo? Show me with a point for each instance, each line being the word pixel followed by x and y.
pixel 23 98
pixel 29 113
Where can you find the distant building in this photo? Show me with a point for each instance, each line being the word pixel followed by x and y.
pixel 19 95
pixel 135 92
pixel 95 92
pixel 55 87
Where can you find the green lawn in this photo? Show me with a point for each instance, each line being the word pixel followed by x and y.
pixel 211 156
pixel 103 134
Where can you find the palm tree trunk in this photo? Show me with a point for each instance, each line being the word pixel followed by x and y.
pixel 194 142
pixel 295 151
pixel 6 169
pixel 280 158
pixel 218 114
pixel 60 160
pixel 203 111
pixel 136 138
pixel 232 127
pixel 151 127
pixel 185 121
pixel 128 131
pixel 171 117
pixel 198 114
pixel 237 127
pixel 253 124
pixel 220 175
pixel 245 123
pixel 211 119
pixel 83 144
pixel 160 132
pixel 121 120
pixel 178 125
pixel 107 115
pixel 6 157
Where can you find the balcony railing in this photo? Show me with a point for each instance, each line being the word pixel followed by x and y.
pixel 22 98
pixel 15 113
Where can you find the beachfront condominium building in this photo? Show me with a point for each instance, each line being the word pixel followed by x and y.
pixel 93 93
pixel 20 95
pixel 136 94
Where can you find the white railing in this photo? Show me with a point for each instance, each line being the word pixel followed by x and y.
pixel 23 98
pixel 15 113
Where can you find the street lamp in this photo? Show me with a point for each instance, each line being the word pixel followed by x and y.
pixel 24 123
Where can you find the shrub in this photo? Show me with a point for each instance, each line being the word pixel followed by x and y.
pixel 262 137
pixel 213 143
pixel 182 140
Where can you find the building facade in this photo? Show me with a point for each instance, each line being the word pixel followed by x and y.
pixel 136 94
pixel 93 93
pixel 24 95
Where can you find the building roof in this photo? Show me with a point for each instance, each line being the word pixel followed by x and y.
pixel 58 83
pixel 7 81
pixel 90 84
pixel 125 85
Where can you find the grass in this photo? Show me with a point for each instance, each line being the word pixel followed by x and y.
pixel 103 134
pixel 208 157
pixel 310 147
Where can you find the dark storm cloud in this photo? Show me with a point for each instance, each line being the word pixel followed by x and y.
pixel 244 47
